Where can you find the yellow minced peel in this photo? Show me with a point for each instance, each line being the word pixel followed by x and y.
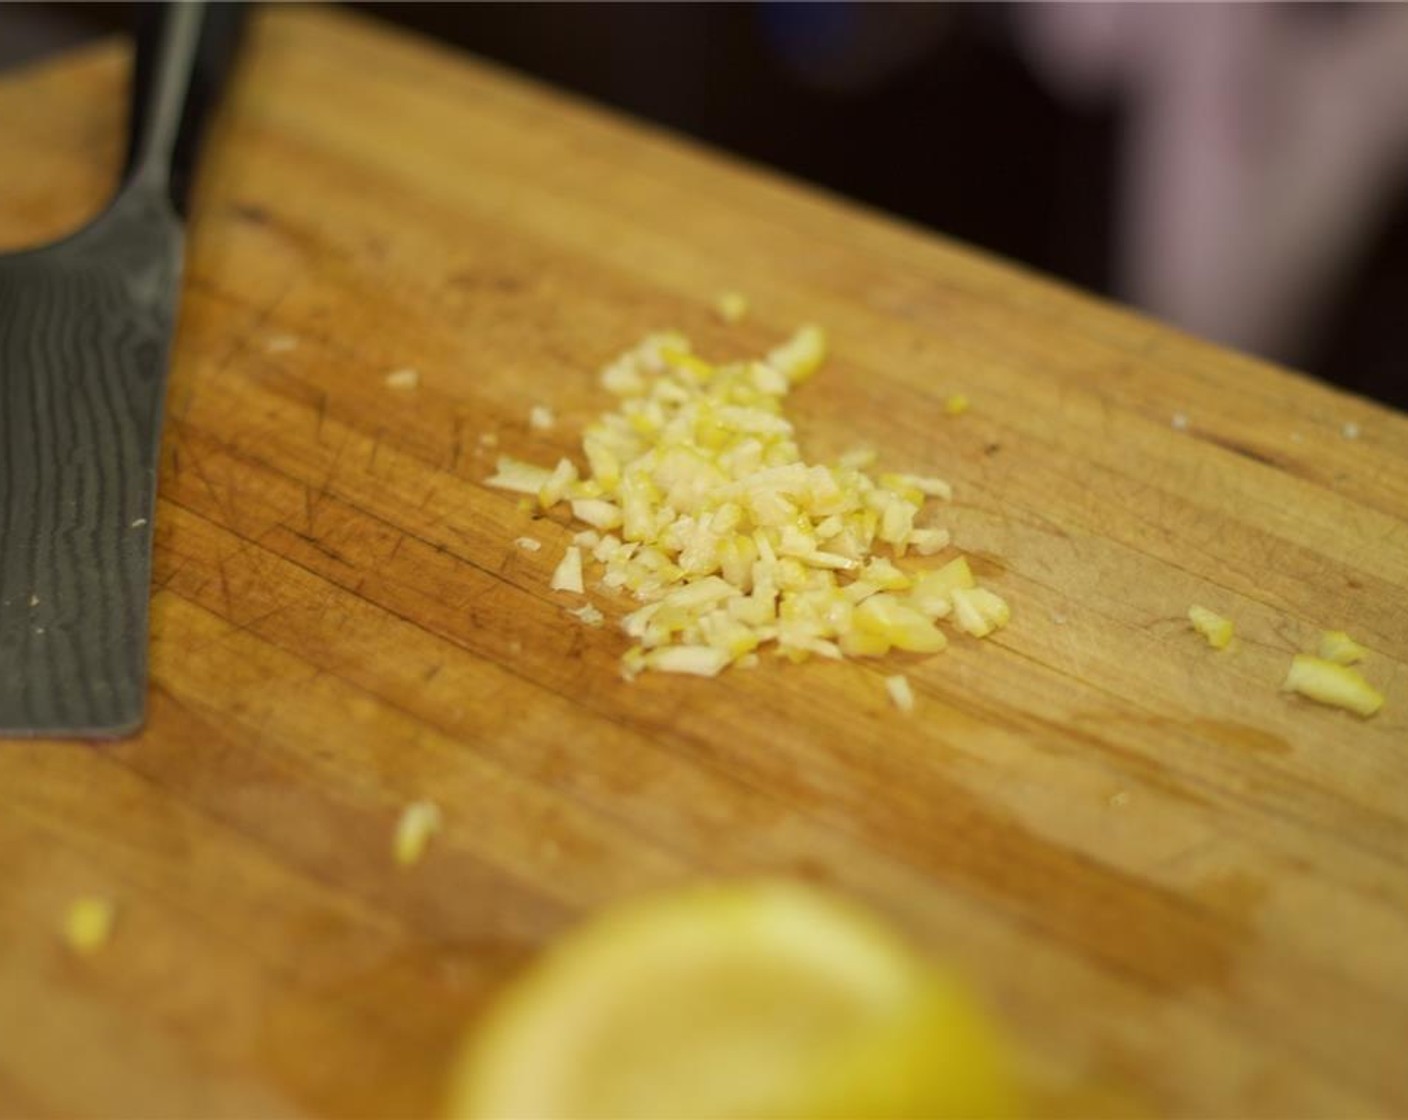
pixel 1212 626
pixel 701 506
pixel 1339 647
pixel 418 823
pixel 88 923
pixel 900 692
pixel 1327 682
pixel 731 306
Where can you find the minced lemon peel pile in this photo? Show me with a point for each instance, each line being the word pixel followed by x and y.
pixel 699 504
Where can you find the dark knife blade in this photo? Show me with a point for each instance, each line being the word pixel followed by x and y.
pixel 85 330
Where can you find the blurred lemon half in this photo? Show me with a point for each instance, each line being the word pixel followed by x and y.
pixel 740 1000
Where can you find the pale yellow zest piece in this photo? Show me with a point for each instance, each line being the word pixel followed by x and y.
pixel 1336 685
pixel 568 576
pixel 698 661
pixel 555 487
pixel 419 821
pixel 88 924
pixel 541 418
pixel 801 355
pixel 1212 626
pixel 933 591
pixel 596 512
pixel 731 306
pixel 956 405
pixel 900 692
pixel 737 1000
pixel 589 615
pixel 858 458
pixel 1339 647
pixel 930 487
pixel 518 476
pixel 402 379
pixel 528 544
pixel 978 611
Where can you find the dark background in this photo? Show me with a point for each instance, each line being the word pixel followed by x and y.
pixel 958 134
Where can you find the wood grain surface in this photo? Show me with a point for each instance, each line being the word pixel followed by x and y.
pixel 1162 873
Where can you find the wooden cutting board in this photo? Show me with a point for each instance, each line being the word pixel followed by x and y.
pixel 1164 874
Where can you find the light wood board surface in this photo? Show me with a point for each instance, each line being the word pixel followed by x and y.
pixel 1159 870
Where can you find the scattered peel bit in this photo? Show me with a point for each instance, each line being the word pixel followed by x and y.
pixel 568 576
pixel 518 476
pixel 900 692
pixel 731 306
pixel 402 379
pixel 978 611
pixel 88 924
pixel 704 510
pixel 528 544
pixel 419 821
pixel 1339 647
pixel 1329 683
pixel 1211 625
pixel 541 418
pixel 589 615
pixel 956 405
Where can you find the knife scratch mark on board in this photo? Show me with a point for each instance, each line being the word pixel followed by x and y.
pixel 251 625
pixel 457 444
pixel 376 446
pixel 199 467
pixel 225 588
pixel 326 549
pixel 324 491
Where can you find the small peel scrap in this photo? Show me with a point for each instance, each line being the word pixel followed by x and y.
pixel 1339 647
pixel 88 924
pixel 900 692
pixel 568 576
pixel 419 821
pixel 704 510
pixel 1327 682
pixel 1211 625
pixel 403 380
pixel 731 306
